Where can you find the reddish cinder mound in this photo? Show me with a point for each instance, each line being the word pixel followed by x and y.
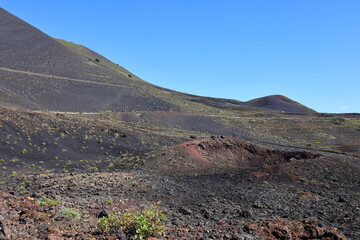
pixel 279 103
pixel 295 230
pixel 219 155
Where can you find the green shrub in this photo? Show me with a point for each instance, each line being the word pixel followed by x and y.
pixel 47 202
pixel 303 179
pixel 70 212
pixel 109 224
pixel 149 223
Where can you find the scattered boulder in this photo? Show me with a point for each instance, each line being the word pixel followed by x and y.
pixel 4 231
pixel 185 211
pixel 103 213
pixel 42 227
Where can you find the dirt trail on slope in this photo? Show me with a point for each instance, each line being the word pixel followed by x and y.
pixel 62 78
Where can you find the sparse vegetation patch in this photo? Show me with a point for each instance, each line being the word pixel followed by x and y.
pixel 149 223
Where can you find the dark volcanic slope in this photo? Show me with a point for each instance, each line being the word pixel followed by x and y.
pixel 26 48
pixel 39 72
pixel 279 103
pixel 42 73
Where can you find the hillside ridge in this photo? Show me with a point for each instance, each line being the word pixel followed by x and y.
pixel 25 49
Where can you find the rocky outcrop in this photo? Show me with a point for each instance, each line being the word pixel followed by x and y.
pixel 294 230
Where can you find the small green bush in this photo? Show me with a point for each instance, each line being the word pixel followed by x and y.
pixel 109 224
pixel 47 202
pixel 303 179
pixel 70 212
pixel 150 223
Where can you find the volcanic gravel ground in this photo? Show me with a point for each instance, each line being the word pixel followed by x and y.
pixel 203 207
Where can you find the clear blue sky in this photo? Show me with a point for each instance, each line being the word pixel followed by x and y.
pixel 308 50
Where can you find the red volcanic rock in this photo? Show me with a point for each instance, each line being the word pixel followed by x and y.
pixel 258 175
pixel 220 155
pixel 279 103
pixel 294 230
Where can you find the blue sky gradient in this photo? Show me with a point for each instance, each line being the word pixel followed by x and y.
pixel 308 50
